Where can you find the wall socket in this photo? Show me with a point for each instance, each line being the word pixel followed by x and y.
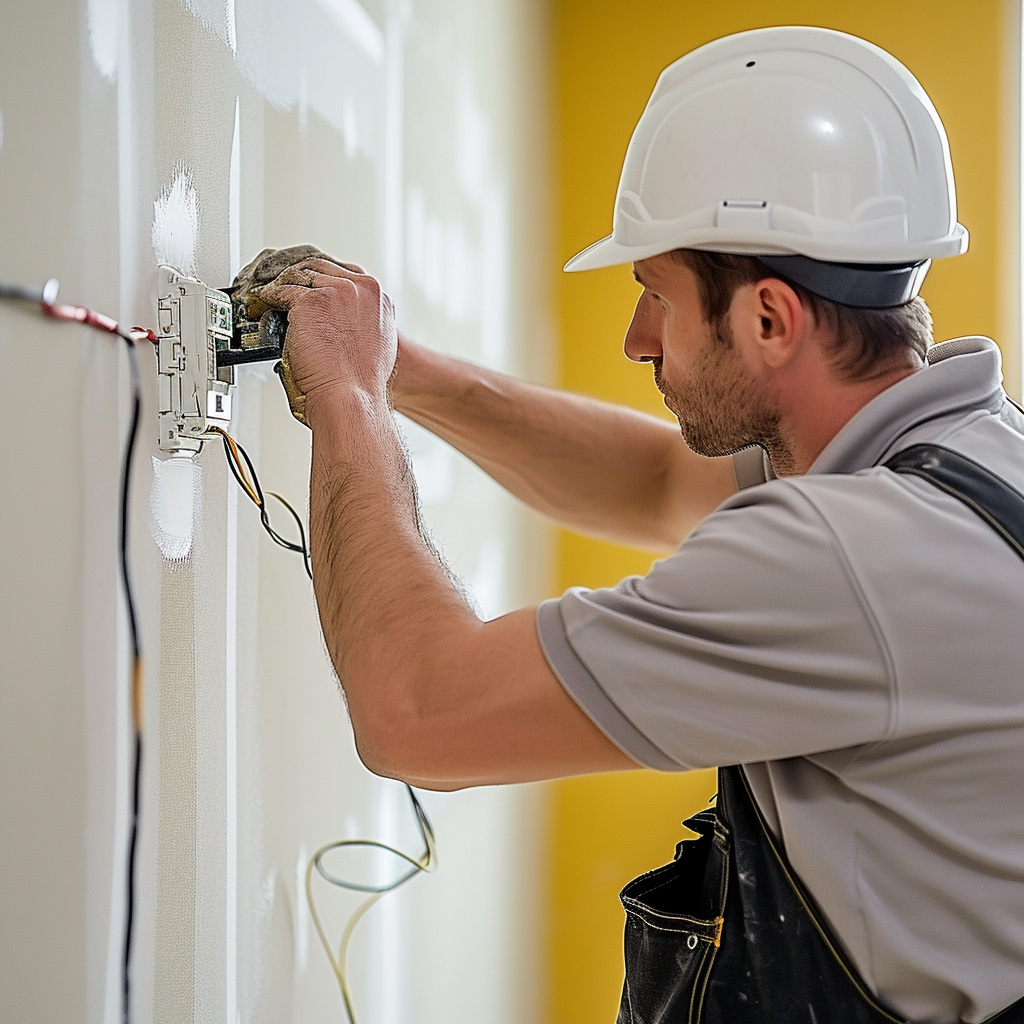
pixel 194 321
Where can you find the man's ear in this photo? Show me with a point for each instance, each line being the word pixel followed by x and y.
pixel 781 321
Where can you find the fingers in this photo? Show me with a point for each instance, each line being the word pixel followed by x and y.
pixel 325 265
pixel 277 260
pixel 280 295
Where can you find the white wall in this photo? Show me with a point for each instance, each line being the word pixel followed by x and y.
pixel 406 135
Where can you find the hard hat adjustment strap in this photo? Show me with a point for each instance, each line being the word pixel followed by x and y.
pixel 864 285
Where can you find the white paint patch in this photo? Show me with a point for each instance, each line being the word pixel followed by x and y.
pixel 218 16
pixel 350 16
pixel 102 16
pixel 176 222
pixel 235 201
pixel 172 504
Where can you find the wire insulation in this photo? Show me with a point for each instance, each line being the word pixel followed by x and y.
pixel 245 473
pixel 425 863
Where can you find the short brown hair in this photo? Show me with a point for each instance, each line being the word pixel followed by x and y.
pixel 865 342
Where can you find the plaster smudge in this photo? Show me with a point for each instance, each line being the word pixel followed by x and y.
pixel 102 15
pixel 176 222
pixel 172 505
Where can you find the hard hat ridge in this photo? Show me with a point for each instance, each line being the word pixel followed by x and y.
pixel 790 141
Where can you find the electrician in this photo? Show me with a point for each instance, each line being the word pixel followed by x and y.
pixel 846 634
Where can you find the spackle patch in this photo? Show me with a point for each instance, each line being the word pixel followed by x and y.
pixel 103 36
pixel 172 505
pixel 176 222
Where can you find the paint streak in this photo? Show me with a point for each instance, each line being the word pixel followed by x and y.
pixel 176 222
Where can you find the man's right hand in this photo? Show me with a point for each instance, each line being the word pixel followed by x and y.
pixel 268 265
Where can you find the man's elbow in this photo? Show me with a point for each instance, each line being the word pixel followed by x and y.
pixel 406 748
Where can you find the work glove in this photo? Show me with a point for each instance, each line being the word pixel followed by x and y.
pixel 247 305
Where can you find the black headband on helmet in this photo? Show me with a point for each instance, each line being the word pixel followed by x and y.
pixel 865 285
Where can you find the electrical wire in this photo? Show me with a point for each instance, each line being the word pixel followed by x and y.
pixel 47 302
pixel 245 474
pixel 425 863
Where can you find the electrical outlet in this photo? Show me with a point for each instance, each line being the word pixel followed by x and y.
pixel 194 323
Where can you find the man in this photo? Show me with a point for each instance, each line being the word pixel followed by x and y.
pixel 844 633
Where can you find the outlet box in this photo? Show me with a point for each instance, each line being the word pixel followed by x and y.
pixel 194 321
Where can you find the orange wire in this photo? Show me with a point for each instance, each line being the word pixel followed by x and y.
pixel 240 465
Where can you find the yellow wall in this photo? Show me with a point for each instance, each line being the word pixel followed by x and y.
pixel 607 55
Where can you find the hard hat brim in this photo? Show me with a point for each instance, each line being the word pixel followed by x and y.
pixel 606 252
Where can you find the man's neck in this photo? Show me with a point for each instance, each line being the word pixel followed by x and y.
pixel 816 406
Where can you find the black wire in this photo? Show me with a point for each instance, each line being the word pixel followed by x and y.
pixel 261 503
pixel 424 864
pixel 16 291
pixel 302 531
pixel 126 471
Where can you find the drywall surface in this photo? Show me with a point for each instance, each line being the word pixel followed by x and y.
pixel 402 135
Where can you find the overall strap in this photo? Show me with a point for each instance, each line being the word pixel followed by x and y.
pixel 997 502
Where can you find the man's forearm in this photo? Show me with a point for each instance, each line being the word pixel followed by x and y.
pixel 598 468
pixel 384 600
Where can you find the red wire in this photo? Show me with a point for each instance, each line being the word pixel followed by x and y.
pixel 84 315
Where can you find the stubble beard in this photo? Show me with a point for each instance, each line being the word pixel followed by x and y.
pixel 721 408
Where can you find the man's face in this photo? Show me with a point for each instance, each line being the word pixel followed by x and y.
pixel 719 402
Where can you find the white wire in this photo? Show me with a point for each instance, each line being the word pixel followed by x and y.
pixel 339 961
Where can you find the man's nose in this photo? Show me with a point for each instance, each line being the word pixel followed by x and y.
pixel 643 338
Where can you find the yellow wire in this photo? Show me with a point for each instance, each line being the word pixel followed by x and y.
pixel 339 961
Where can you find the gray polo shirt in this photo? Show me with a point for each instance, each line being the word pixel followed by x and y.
pixel 856 639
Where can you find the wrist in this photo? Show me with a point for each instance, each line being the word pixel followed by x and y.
pixel 339 402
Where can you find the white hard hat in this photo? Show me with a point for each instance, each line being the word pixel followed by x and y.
pixel 797 143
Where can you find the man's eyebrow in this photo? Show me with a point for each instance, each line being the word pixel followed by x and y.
pixel 638 278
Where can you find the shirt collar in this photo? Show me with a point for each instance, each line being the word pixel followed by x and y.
pixel 961 374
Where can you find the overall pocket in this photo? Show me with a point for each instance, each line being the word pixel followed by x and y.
pixel 674 917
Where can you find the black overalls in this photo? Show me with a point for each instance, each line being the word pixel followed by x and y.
pixel 726 934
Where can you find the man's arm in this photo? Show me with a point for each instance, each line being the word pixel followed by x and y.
pixel 598 468
pixel 436 697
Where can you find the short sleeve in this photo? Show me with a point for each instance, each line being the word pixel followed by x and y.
pixel 751 643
